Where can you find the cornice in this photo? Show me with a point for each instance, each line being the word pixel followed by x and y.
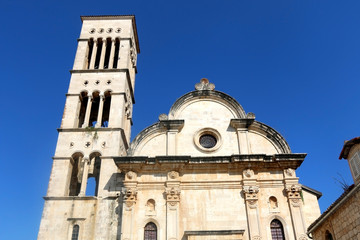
pixel 112 17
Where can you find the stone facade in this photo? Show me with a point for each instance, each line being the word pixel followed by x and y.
pixel 205 170
pixel 342 219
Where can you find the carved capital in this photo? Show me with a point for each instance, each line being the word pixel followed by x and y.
pixel 294 194
pixel 293 191
pixel 130 196
pixel 172 195
pixel 251 194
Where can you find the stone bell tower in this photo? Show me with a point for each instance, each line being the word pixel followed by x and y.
pixel 81 201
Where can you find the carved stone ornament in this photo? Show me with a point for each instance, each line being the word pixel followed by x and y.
pixel 130 196
pixel 163 117
pixel 133 56
pixel 289 172
pixel 248 173
pixel 295 202
pixel 204 85
pixel 293 191
pixel 128 105
pixel 250 115
pixel 252 203
pixel 251 192
pixel 172 194
pixel 131 176
pixel 173 175
pixel 256 237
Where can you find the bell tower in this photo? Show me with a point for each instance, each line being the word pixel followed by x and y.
pixel 81 200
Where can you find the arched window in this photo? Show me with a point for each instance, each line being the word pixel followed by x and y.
pixel 94 109
pixel 116 54
pixel 89 53
pixel 277 231
pixel 150 231
pixel 75 233
pixel 107 53
pixel 328 236
pixel 93 174
pixel 106 109
pixel 82 110
pixel 75 181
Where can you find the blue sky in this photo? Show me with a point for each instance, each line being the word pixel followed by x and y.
pixel 295 64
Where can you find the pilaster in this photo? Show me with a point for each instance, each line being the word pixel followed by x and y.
pixel 251 190
pixel 172 192
pixel 129 194
pixel 293 193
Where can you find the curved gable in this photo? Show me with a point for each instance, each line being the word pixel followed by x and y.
pixel 214 114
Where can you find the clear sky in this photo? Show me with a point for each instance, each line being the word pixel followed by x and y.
pixel 295 64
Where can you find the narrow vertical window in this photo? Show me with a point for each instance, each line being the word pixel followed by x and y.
pixel 277 231
pixel 89 53
pixel 106 109
pixel 83 105
pixel 75 232
pixel 98 54
pixel 116 55
pixel 107 53
pixel 150 231
pixel 75 181
pixel 94 109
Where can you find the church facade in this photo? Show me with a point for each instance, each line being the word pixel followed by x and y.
pixel 206 170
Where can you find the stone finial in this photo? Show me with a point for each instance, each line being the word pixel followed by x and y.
pixel 163 117
pixel 204 84
pixel 250 115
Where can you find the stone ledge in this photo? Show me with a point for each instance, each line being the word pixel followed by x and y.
pixel 214 232
pixel 245 160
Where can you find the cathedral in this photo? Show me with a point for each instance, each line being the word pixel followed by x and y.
pixel 206 170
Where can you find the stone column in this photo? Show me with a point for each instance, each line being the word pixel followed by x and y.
pixel 251 191
pixel 84 177
pixel 172 192
pixel 102 56
pixel 88 109
pixel 93 54
pixel 112 54
pixel 129 200
pixel 100 112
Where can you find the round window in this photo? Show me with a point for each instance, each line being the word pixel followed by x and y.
pixel 208 141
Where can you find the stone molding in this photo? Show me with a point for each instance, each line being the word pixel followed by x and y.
pixel 258 161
